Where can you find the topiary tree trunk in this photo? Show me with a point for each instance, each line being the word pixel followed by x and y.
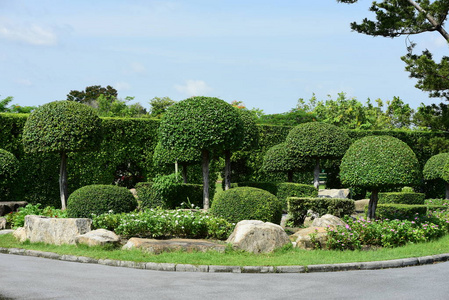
pixel 227 178
pixel 63 188
pixel 205 154
pixel 372 205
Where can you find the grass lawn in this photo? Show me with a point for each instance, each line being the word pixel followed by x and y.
pixel 282 257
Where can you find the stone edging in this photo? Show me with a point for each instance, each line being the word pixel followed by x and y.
pixel 373 265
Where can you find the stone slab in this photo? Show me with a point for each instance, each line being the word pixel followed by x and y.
pixel 158 246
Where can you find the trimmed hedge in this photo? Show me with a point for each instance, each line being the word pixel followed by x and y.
pixel 270 187
pixel 399 211
pixel 99 199
pixel 401 198
pixel 172 197
pixel 247 203
pixel 289 189
pixel 9 165
pixel 298 207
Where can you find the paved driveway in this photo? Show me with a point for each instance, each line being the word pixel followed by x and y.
pixel 25 277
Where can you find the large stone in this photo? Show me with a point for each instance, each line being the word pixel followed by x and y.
pixel 20 234
pixel 2 223
pixel 55 230
pixel 11 206
pixel 334 193
pixel 311 238
pixel 328 221
pixel 98 237
pixel 158 246
pixel 360 205
pixel 257 236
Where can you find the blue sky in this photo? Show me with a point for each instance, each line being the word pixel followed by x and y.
pixel 267 54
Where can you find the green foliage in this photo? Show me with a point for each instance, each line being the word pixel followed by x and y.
pixel 400 211
pixel 9 166
pixel 433 117
pixel 158 106
pixel 113 107
pixel 277 159
pixel 202 123
pixel 62 126
pixel 402 198
pixel 250 130
pixel 298 207
pixel 163 156
pixel 376 162
pixel 292 118
pixel 168 192
pixel 434 167
pixel 14 108
pixel 268 186
pixel 439 202
pixel 99 199
pixel 156 223
pixel 289 189
pixel 247 203
pixel 317 140
pixel 17 219
pixel 91 94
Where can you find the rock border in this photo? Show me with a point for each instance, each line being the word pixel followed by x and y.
pixel 372 265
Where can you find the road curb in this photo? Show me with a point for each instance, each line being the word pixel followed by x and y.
pixel 371 265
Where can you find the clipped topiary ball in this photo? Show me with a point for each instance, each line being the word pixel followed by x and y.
pixel 98 199
pixel 434 167
pixel 247 203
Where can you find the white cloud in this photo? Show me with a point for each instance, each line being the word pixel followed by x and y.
pixel 135 68
pixel 194 88
pixel 122 86
pixel 28 33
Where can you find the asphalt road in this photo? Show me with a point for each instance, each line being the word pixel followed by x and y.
pixel 25 277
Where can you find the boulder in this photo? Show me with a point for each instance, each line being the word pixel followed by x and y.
pixel 334 193
pixel 11 206
pixel 311 238
pixel 98 237
pixel 6 231
pixel 55 230
pixel 257 236
pixel 328 221
pixel 158 246
pixel 2 223
pixel 20 234
pixel 360 205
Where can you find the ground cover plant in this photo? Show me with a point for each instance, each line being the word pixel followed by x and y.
pixel 17 219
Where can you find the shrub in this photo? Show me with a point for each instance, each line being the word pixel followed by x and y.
pixel 17 219
pixel 247 203
pixel 270 187
pixel 9 165
pixel 288 189
pixel 441 202
pixel 400 211
pixel 99 199
pixel 298 207
pixel 401 198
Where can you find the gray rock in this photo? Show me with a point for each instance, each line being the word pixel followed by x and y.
pixel 328 221
pixel 55 230
pixel 158 246
pixel 311 238
pixel 2 223
pixel 334 193
pixel 11 206
pixel 6 231
pixel 257 236
pixel 20 234
pixel 98 237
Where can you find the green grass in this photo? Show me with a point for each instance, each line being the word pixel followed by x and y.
pixel 282 257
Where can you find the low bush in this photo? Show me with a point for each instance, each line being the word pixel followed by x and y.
pixel 399 211
pixel 9 166
pixel 289 189
pixel 298 207
pixel 441 202
pixel 99 199
pixel 157 223
pixel 169 193
pixel 17 219
pixel 402 198
pixel 247 203
pixel 268 186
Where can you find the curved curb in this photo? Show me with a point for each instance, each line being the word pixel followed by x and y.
pixel 372 265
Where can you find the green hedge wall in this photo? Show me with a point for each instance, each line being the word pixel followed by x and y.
pixel 401 198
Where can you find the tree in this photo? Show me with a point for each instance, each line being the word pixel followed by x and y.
pixel 91 94
pixel 113 107
pixel 377 162
pixel 207 124
pixel 14 108
pixel 408 17
pixel 276 159
pixel 62 127
pixel 435 169
pixel 158 106
pixel 317 141
pixel 433 117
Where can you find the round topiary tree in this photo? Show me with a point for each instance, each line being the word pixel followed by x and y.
pixel 9 166
pixel 317 141
pixel 203 123
pixel 276 159
pixel 377 162
pixel 163 156
pixel 99 199
pixel 247 203
pixel 435 169
pixel 62 127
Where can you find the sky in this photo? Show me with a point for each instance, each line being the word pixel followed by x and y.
pixel 267 54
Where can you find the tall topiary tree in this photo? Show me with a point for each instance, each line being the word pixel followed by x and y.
pixel 276 159
pixel 203 123
pixel 377 162
pixel 163 156
pixel 437 167
pixel 317 141
pixel 62 127
pixel 9 165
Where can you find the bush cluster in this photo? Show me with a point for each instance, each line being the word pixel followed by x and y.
pixel 9 165
pixel 298 207
pixel 289 189
pixel 99 199
pixel 247 203
pixel 402 198
pixel 17 219
pixel 399 211
pixel 157 223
